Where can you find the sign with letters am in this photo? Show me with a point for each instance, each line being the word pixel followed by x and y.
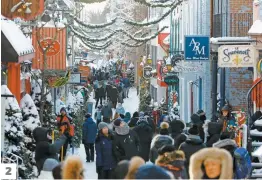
pixel 196 48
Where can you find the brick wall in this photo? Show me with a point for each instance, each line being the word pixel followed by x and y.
pixel 238 82
pixel 241 6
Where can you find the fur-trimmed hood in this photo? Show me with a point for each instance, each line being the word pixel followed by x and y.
pixel 225 142
pixel 72 168
pixel 197 159
pixel 159 140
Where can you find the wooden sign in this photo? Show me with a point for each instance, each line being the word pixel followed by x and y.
pixel 24 9
pixel 53 46
pixel 84 70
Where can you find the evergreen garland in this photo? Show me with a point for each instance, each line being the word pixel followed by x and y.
pixel 141 24
pixel 94 26
pixel 154 5
pixel 132 45
pixel 94 46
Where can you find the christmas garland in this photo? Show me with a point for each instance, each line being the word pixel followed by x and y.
pixel 154 5
pixel 96 47
pixel 93 26
pixel 88 38
pixel 132 45
pixel 134 23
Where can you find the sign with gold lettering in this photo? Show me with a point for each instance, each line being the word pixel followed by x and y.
pixel 52 46
pixel 236 56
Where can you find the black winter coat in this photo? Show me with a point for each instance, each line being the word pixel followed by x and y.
pixel 214 130
pixel 133 122
pixel 100 92
pixel 145 134
pixel 157 142
pixel 126 146
pixel 192 145
pixel 113 94
pixel 44 148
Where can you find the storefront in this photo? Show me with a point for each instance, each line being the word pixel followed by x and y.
pixel 16 50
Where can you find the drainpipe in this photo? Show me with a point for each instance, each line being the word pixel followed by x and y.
pixel 222 87
pixel 214 87
pixel 200 93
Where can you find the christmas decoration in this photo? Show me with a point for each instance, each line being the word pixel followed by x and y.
pixel 144 96
pixel 157 4
pixel 93 26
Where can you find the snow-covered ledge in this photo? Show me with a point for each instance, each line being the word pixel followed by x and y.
pixel 256 28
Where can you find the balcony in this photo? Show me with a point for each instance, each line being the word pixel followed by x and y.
pixel 232 24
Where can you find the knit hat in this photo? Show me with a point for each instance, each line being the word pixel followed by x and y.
pixel 164 125
pixel 117 122
pixel 88 115
pixel 141 114
pixel 166 149
pixel 102 125
pixel 195 119
pixel 122 116
pixel 193 130
pixel 225 108
pixel 62 109
pixel 150 171
pixel 50 164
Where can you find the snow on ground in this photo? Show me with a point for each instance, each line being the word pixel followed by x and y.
pixel 131 105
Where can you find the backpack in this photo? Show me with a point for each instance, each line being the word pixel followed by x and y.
pixel 242 164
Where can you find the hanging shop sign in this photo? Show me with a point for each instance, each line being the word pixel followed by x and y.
pixel 147 72
pixel 26 10
pixel 75 78
pixel 171 79
pixel 196 48
pixel 52 45
pixel 188 67
pixel 236 56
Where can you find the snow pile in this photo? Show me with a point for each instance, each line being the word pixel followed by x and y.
pixel 30 113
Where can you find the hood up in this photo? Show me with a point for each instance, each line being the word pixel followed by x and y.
pixel 161 140
pixel 40 134
pixel 197 159
pixel 194 139
pixel 225 142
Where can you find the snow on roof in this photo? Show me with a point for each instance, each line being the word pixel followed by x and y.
pixel 258 122
pixel 16 37
pixel 12 102
pixel 223 39
pixel 256 28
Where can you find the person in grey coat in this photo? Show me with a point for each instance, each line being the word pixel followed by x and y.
pixel 106 113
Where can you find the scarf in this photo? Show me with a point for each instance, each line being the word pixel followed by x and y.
pixel 122 130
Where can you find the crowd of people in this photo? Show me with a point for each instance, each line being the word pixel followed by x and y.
pixel 138 148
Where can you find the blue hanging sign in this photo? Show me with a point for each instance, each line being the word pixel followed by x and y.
pixel 197 48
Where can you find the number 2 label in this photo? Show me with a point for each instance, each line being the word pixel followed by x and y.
pixel 8 171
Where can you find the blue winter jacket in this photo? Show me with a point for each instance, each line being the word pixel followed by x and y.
pixel 104 152
pixel 89 131
pixel 120 110
pixel 126 82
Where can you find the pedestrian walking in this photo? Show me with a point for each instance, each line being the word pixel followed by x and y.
pixel 134 119
pixel 176 129
pixel 107 113
pixel 145 134
pixel 193 144
pixel 126 142
pixel 114 96
pixel 99 94
pixel 88 138
pixel 120 109
pixel 159 141
pixel 227 119
pixel 64 125
pixel 105 160
pixel 98 114
pixel 214 131
pixel 127 117
pixel 126 83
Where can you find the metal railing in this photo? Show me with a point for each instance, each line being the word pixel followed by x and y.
pixel 232 24
pixel 13 159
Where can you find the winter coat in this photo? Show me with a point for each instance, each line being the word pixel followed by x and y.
pixel 176 129
pixel 63 123
pixel 100 92
pixel 126 82
pixel 151 123
pixel 108 89
pixel 133 122
pixel 158 142
pixel 89 131
pixel 214 130
pixel 228 144
pixel 104 152
pixel 195 119
pixel 120 110
pixel 145 134
pixel 120 97
pixel 127 117
pixel 177 167
pixel 107 111
pixel 197 159
pixel 192 145
pixel 113 94
pixel 46 175
pixel 44 149
pixel 98 114
pixel 126 146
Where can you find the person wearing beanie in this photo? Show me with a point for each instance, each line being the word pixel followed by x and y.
pixel 227 119
pixel 48 166
pixel 211 163
pixel 159 141
pixel 134 164
pixel 121 170
pixel 134 120
pixel 105 160
pixel 127 117
pixel 173 161
pixel 176 128
pixel 197 119
pixel 149 171
pixel 214 129
pixel 164 128
pixel 145 134
pixel 73 168
pixel 126 142
pixel 63 124
pixel 89 132
pixel 193 144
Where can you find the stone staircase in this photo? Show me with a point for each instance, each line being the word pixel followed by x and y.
pixel 257 150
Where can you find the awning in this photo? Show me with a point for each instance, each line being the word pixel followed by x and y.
pixel 15 46
pixel 256 28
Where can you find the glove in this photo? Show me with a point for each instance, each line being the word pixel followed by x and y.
pixel 99 169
